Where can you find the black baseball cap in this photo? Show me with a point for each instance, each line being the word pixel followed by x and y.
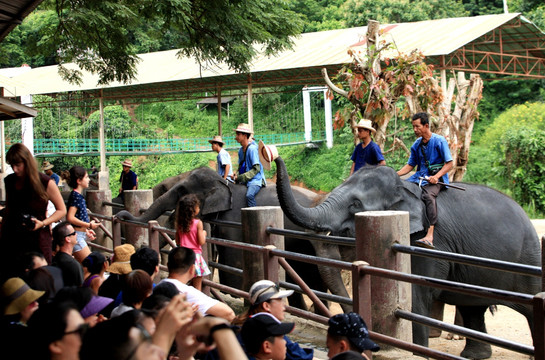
pixel 262 326
pixel 353 327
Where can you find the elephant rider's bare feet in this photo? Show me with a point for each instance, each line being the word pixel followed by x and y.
pixel 426 241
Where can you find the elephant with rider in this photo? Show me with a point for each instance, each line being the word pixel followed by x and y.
pixel 223 200
pixel 479 221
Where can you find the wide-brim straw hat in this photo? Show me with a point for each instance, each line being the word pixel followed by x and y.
pixel 216 139
pixel 267 154
pixel 244 128
pixel 18 295
pixel 127 162
pixel 366 124
pixel 122 259
pixel 46 165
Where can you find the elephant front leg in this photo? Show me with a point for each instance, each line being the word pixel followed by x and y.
pixel 473 317
pixel 330 276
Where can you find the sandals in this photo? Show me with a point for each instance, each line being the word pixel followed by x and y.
pixel 424 243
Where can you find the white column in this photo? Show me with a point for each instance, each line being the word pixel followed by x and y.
pixel 27 126
pixel 328 121
pixel 306 114
pixel 250 105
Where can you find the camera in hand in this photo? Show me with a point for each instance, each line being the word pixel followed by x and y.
pixel 27 222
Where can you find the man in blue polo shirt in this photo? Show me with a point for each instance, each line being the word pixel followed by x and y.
pixel 250 170
pixel 431 155
pixel 367 152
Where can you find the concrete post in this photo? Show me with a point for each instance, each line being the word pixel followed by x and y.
pixel 104 181
pixel 94 199
pixel 255 221
pixel 376 232
pixel 134 201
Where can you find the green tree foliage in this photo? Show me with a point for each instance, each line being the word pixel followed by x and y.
pixel 483 7
pixel 525 165
pixel 359 12
pixel 104 36
pixel 320 15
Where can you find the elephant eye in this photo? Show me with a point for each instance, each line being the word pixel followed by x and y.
pixel 356 206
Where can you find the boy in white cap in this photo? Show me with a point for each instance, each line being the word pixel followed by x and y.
pixel 266 297
pixel 367 152
pixel 250 170
pixel 225 168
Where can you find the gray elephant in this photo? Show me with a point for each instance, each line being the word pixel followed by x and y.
pixel 223 200
pixel 479 221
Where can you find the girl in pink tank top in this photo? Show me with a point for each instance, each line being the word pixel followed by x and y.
pixel 190 234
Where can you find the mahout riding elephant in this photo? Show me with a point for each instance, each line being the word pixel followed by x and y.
pixel 479 221
pixel 223 200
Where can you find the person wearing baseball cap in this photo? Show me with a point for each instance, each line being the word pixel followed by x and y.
pixel 367 152
pixel 348 332
pixel 250 169
pixel 264 337
pixel 267 298
pixel 225 167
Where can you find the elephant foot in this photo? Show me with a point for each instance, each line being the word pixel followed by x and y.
pixel 476 350
pixel 451 336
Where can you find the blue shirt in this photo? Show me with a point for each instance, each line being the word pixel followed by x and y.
pixel 224 159
pixel 55 178
pixel 369 155
pixel 437 152
pixel 78 201
pixel 248 160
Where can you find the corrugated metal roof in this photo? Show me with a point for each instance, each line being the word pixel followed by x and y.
pixel 163 74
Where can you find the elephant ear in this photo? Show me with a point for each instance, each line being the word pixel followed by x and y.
pixel 217 198
pixel 410 200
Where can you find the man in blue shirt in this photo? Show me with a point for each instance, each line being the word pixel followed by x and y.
pixel 128 178
pixel 250 170
pixel 225 169
pixel 367 152
pixel 431 155
pixel 46 167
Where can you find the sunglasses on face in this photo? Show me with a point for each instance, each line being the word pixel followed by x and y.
pixel 81 330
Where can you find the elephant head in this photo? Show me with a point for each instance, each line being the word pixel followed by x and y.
pixel 369 189
pixel 212 190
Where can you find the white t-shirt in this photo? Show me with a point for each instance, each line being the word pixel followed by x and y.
pixel 194 296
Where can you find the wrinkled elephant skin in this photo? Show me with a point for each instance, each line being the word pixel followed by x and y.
pixel 222 201
pixel 480 222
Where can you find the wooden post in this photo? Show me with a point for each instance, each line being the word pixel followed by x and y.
pixel 250 104
pixel 219 112
pixel 154 243
pixel 255 221
pixel 94 199
pixel 134 201
pixel 376 232
pixel 539 326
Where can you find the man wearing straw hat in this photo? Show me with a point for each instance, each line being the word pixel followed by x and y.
pixel 367 152
pixel 250 170
pixel 128 178
pixel 46 167
pixel 225 169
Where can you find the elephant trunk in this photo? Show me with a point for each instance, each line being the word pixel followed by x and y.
pixel 310 218
pixel 164 203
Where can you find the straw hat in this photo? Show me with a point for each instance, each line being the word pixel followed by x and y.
pixel 46 165
pixel 267 154
pixel 122 259
pixel 366 124
pixel 127 162
pixel 244 128
pixel 216 139
pixel 18 295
